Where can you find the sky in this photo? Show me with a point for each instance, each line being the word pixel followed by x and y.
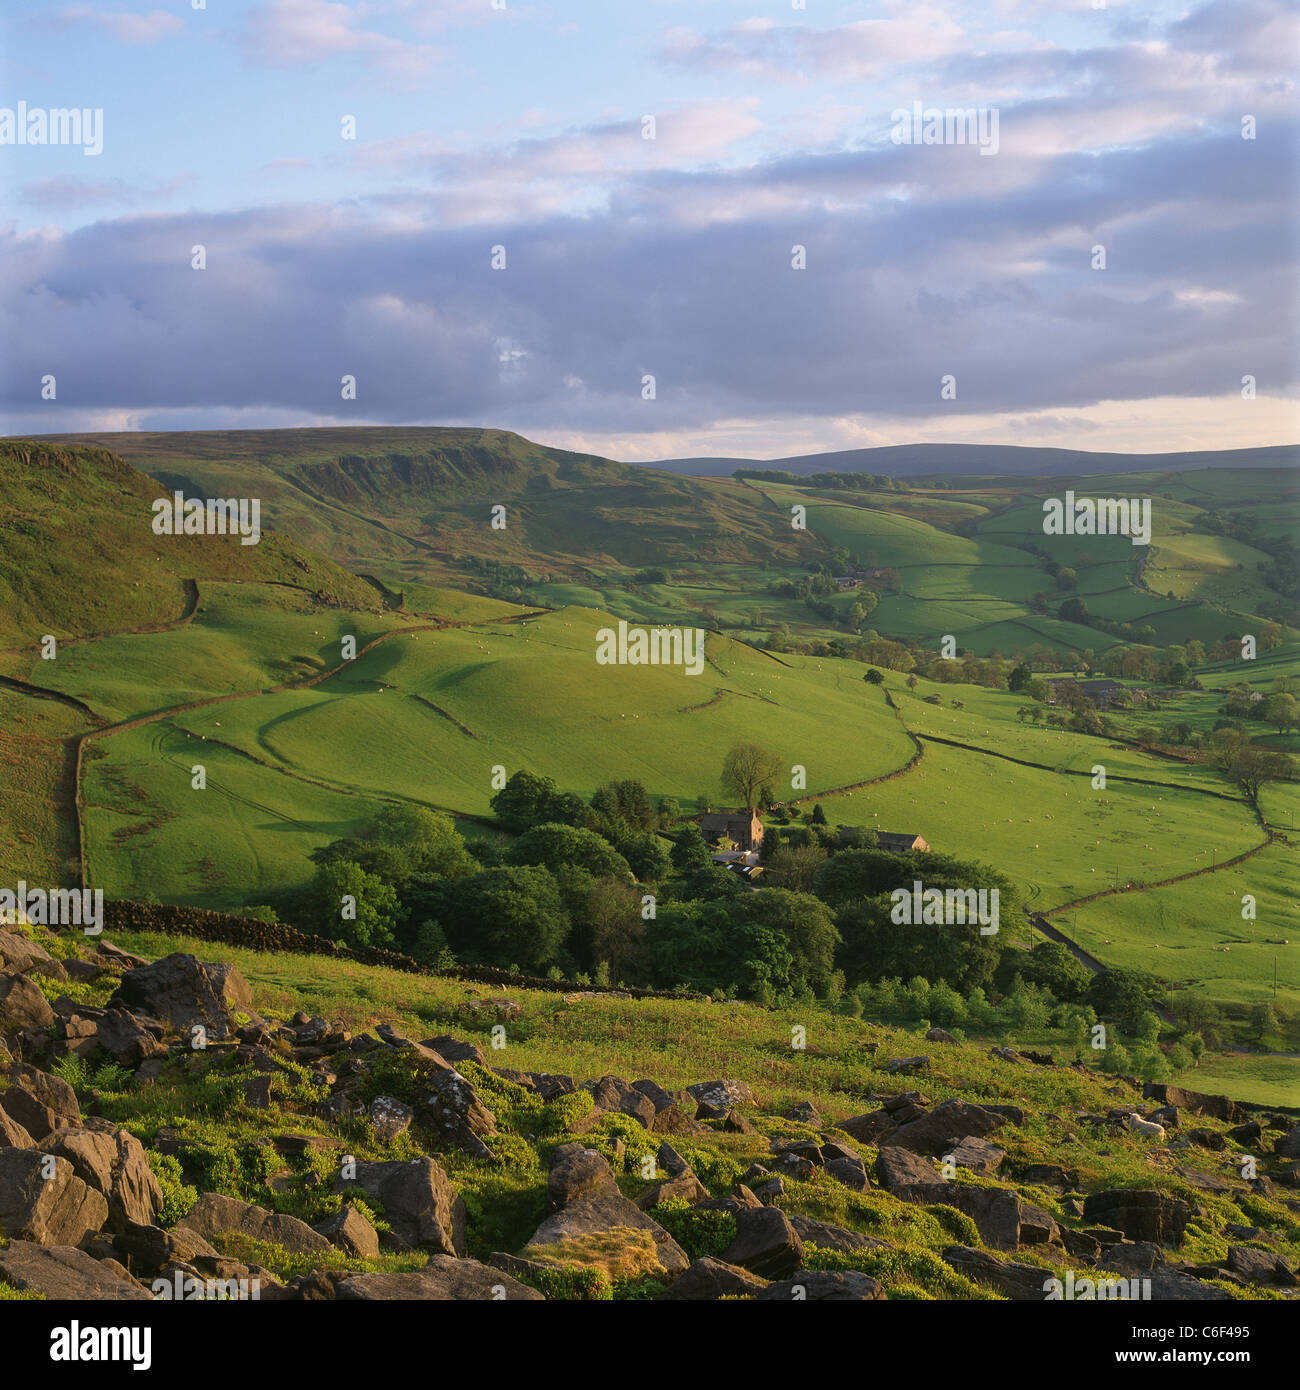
pixel 656 228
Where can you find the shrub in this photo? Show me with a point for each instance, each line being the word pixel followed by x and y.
pixel 579 1283
pixel 178 1197
pixel 699 1233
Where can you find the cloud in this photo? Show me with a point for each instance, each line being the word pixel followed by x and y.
pixel 1000 294
pixel 294 33
pixel 64 195
pixel 867 48
pixel 672 257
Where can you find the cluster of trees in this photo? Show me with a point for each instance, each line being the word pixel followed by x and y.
pixel 559 897
pixel 499 580
pixel 557 892
pixel 1246 764
pixel 587 887
pixel 853 482
pixel 1040 991
pixel 1281 708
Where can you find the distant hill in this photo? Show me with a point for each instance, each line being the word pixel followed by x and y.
pixel 988 460
pixel 413 504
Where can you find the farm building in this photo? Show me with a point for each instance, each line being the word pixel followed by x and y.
pixel 742 862
pixel 745 831
pixel 897 842
pixel 1102 693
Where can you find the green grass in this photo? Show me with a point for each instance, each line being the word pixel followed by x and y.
pixel 1193 932
pixel 1064 839
pixel 675 1043
pixel 532 696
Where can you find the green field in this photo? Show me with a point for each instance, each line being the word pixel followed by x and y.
pixel 394 725
pixel 459 686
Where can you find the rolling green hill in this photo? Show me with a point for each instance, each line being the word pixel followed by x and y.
pixel 186 650
pixel 78 555
pixel 414 504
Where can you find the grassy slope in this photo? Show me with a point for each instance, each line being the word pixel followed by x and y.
pixel 411 504
pixel 532 696
pixel 680 1042
pixel 78 554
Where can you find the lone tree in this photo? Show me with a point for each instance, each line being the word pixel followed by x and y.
pixel 747 770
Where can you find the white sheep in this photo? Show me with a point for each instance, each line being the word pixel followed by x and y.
pixel 1140 1126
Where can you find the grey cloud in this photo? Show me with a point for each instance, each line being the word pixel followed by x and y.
pixel 995 291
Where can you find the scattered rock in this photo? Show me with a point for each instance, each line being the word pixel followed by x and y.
pixel 709 1279
pixel 1020 1282
pixel 1216 1107
pixel 1140 1213
pixel 419 1203
pixel 824 1286
pixel 350 1232
pixel 390 1118
pixel 184 992
pixel 578 1172
pixel 453 1114
pixel 905 1174
pixel 1047 1175
pixel 606 1231
pixel 63 1273
pixel 906 1064
pixel 1260 1266
pixel 765 1243
pixel 849 1170
pixel 939 1129
pixel 872 1127
pixel 18 954
pixel 686 1188
pixel 613 1094
pixel 1037 1227
pixel 114 1163
pixel 443 1279
pixel 826 1236
pixel 722 1095
pixel 1133 1257
pixel 147 1249
pixel 59 1210
pixel 12 1134
pixel 977 1156
pixel 453 1050
pixel 114 1032
pixel 214 1214
pixel 22 1005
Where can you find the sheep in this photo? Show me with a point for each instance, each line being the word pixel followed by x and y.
pixel 1140 1126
